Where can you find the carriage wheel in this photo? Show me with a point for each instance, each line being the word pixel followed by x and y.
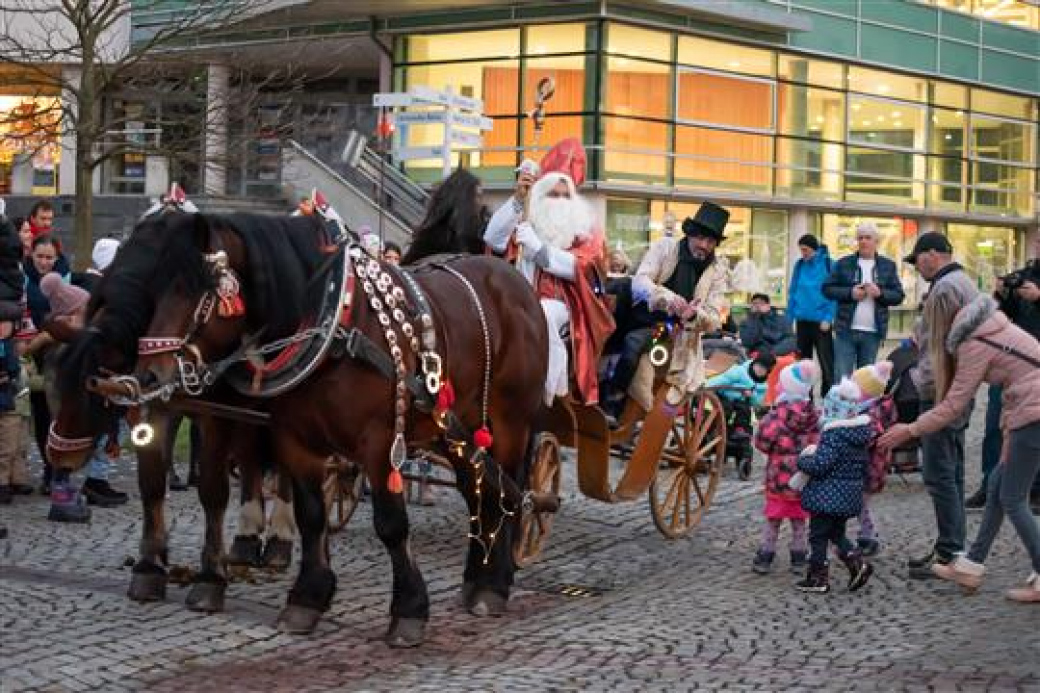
pixel 688 477
pixel 342 491
pixel 543 477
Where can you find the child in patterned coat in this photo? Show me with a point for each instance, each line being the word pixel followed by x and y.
pixel 790 426
pixel 836 471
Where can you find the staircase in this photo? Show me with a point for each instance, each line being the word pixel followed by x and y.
pixel 353 187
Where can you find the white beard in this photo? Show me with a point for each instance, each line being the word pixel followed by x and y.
pixel 561 221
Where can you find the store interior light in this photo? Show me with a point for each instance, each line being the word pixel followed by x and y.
pixel 896 114
pixel 734 63
pixel 819 119
pixel 883 88
pixel 856 106
pixel 898 124
pixel 947 137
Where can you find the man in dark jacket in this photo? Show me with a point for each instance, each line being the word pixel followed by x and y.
pixel 865 286
pixel 766 331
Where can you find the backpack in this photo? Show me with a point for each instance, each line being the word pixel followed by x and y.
pixel 883 415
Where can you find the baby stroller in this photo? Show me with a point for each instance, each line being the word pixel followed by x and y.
pixel 739 412
pixel 905 460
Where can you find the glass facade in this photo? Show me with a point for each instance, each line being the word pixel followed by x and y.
pixel 1022 13
pixel 692 114
pixel 665 115
pixel 29 146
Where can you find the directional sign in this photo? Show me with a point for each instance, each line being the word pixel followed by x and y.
pixel 421 117
pixel 423 93
pixel 467 139
pixel 477 122
pixel 436 151
pixel 393 100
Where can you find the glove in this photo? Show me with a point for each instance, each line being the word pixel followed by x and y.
pixel 798 481
pixel 527 238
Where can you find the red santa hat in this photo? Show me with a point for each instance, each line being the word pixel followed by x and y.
pixel 568 158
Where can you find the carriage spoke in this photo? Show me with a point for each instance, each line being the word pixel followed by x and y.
pixel 700 493
pixel 682 483
pixel 704 449
pixel 673 490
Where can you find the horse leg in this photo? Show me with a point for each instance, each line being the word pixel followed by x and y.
pixel 210 583
pixel 149 577
pixel 278 546
pixel 409 604
pixel 312 592
pixel 490 568
pixel 246 545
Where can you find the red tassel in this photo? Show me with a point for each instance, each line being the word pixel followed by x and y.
pixel 231 306
pixel 395 484
pixel 482 438
pixel 445 396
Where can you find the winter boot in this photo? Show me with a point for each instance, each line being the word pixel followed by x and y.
pixel 763 563
pixel 99 492
pixel 67 505
pixel 817 581
pixel 798 562
pixel 868 547
pixel 859 570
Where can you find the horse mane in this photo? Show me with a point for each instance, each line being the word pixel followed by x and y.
pixel 453 222
pixel 160 251
pixel 284 255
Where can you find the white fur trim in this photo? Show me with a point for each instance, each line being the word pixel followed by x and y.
pixel 968 319
pixel 861 420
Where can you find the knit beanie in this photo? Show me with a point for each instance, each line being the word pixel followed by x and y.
pixel 873 379
pixel 104 252
pixel 842 402
pixel 809 241
pixel 65 299
pixel 796 381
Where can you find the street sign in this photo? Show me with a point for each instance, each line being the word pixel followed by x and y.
pixel 421 117
pixel 436 151
pixel 467 139
pixel 477 122
pixel 394 100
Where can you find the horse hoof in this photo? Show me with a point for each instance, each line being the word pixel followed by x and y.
pixel 245 550
pixel 298 620
pixel 406 632
pixel 147 587
pixel 487 603
pixel 207 597
pixel 277 554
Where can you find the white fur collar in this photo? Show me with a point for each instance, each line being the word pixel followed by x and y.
pixel 861 420
pixel 968 319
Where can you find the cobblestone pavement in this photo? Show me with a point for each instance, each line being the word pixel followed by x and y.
pixel 653 615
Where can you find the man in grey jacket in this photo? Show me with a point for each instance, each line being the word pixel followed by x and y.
pixel 943 451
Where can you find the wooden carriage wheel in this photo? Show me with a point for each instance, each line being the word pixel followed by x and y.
pixel 342 491
pixel 543 477
pixel 688 476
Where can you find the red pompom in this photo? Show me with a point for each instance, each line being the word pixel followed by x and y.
pixel 482 438
pixel 231 306
pixel 395 484
pixel 445 396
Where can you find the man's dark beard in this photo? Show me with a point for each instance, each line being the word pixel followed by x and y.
pixel 701 265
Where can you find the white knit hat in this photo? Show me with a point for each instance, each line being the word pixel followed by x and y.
pixel 104 252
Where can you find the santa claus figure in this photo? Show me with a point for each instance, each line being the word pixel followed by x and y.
pixel 559 248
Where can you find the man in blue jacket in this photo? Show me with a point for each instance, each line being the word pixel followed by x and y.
pixel 811 311
pixel 864 285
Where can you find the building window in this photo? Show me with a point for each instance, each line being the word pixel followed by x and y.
pixel 635 150
pixel 1023 13
pixel 986 252
pixel 636 42
pixel 721 159
pixel 637 88
pixel 730 57
pixel 809 168
pixel 797 68
pixel 715 98
pixel 888 85
pixel 432 48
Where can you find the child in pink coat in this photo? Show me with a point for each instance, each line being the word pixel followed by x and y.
pixel 790 427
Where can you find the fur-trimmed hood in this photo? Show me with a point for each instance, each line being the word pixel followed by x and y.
pixel 969 319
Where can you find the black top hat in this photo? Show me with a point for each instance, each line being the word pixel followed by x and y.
pixel 709 221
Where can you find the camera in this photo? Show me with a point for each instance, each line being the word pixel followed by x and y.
pixel 1013 280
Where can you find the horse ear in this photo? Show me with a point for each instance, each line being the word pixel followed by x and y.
pixel 201 232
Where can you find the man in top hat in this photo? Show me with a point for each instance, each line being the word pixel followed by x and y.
pixel 679 281
pixel 558 247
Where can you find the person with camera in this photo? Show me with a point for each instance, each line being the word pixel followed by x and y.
pixel 1018 296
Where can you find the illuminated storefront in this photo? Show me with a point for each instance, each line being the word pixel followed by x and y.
pixel 669 119
pixel 29 148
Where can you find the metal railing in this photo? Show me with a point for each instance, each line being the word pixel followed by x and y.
pixel 367 168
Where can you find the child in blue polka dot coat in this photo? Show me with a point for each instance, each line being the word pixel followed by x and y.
pixel 836 470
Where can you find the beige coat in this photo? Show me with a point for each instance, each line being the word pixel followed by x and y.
pixel 686 372
pixel 978 362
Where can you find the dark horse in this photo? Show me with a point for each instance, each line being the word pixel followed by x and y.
pixel 347 406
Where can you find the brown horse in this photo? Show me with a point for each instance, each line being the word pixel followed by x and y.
pixel 490 336
pixel 120 308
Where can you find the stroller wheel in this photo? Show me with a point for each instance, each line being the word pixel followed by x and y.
pixel 744 467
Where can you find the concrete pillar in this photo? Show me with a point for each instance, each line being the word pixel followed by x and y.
pixel 217 95
pixel 70 76
pixel 386 72
pixel 797 226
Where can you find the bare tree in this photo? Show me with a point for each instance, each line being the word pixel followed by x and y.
pixel 77 51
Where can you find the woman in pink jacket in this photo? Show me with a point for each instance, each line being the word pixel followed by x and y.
pixel 987 347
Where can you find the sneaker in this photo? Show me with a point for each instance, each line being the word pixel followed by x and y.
pixel 921 568
pixel 99 492
pixel 816 581
pixel 6 495
pixel 966 573
pixel 977 500
pixel 1030 594
pixel 763 562
pixel 798 562
pixel 868 547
